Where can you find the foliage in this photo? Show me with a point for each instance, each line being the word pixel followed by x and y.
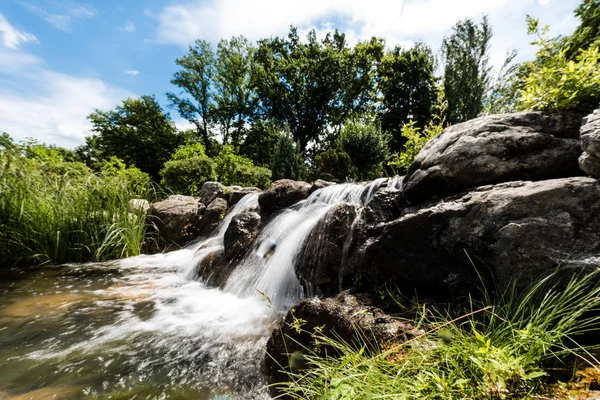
pixel 288 160
pixel 233 97
pixel 311 86
pixel 188 169
pixel 554 82
pixel 495 350
pixel 504 94
pixel 53 210
pixel 417 138
pixel 466 71
pixel 587 34
pixel 233 169
pixel 335 163
pixel 367 147
pixel 408 91
pixel 195 79
pixel 259 144
pixel 138 132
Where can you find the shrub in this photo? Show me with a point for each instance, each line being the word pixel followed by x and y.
pixel 336 163
pixel 233 169
pixel 187 175
pixel 367 147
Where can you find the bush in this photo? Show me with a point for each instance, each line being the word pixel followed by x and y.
pixel 367 147
pixel 288 160
pixel 233 169
pixel 336 163
pixel 52 210
pixel 553 82
pixel 186 176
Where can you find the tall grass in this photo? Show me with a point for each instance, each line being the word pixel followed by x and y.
pixel 57 211
pixel 494 350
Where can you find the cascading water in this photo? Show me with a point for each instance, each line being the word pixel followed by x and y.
pixel 144 325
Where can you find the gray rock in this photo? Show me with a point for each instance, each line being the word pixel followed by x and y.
pixel 590 144
pixel 213 269
pixel 240 234
pixel 176 218
pixel 210 191
pixel 319 264
pixel 181 197
pixel 213 214
pixel 387 204
pixel 238 192
pixel 283 193
pixel 495 149
pixel 350 317
pixel 517 230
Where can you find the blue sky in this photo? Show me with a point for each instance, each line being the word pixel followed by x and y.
pixel 61 59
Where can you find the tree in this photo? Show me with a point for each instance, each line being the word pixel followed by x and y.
pixel 588 31
pixel 259 144
pixel 408 89
pixel 367 147
pixel 466 70
pixel 310 87
pixel 138 132
pixel 195 78
pixel 288 160
pixel 233 96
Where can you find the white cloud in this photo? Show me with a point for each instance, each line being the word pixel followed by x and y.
pixel 60 14
pixel 132 72
pixel 129 27
pixel 13 38
pixel 401 22
pixel 52 107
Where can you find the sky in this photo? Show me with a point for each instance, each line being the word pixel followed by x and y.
pixel 60 59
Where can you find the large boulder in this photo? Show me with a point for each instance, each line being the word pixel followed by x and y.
pixel 319 266
pixel 236 193
pixel 213 214
pixel 319 184
pixel 176 218
pixel 346 316
pixel 590 144
pixel 495 149
pixel 240 234
pixel 385 205
pixel 516 231
pixel 211 191
pixel 283 193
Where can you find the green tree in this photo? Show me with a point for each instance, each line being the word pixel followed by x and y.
pixel 408 89
pixel 233 97
pixel 466 71
pixel 334 164
pixel 138 132
pixel 367 147
pixel 587 33
pixel 288 160
pixel 233 169
pixel 259 144
pixel 195 102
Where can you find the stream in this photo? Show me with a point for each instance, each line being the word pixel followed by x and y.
pixel 144 328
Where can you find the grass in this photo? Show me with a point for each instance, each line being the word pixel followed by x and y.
pixel 495 350
pixel 54 211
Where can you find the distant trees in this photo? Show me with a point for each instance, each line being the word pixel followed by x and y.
pixel 138 132
pixel 467 73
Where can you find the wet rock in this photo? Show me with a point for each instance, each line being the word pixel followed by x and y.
pixel 350 317
pixel 387 204
pixel 240 234
pixel 590 144
pixel 213 269
pixel 283 193
pixel 138 206
pixel 494 149
pixel 213 214
pixel 211 191
pixel 320 184
pixel 238 192
pixel 319 265
pixel 517 230
pixel 176 218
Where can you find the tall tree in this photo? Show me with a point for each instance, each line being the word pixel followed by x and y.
pixel 408 89
pixel 466 71
pixel 588 31
pixel 195 79
pixel 138 132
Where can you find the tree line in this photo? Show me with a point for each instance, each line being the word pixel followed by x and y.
pixel 305 108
